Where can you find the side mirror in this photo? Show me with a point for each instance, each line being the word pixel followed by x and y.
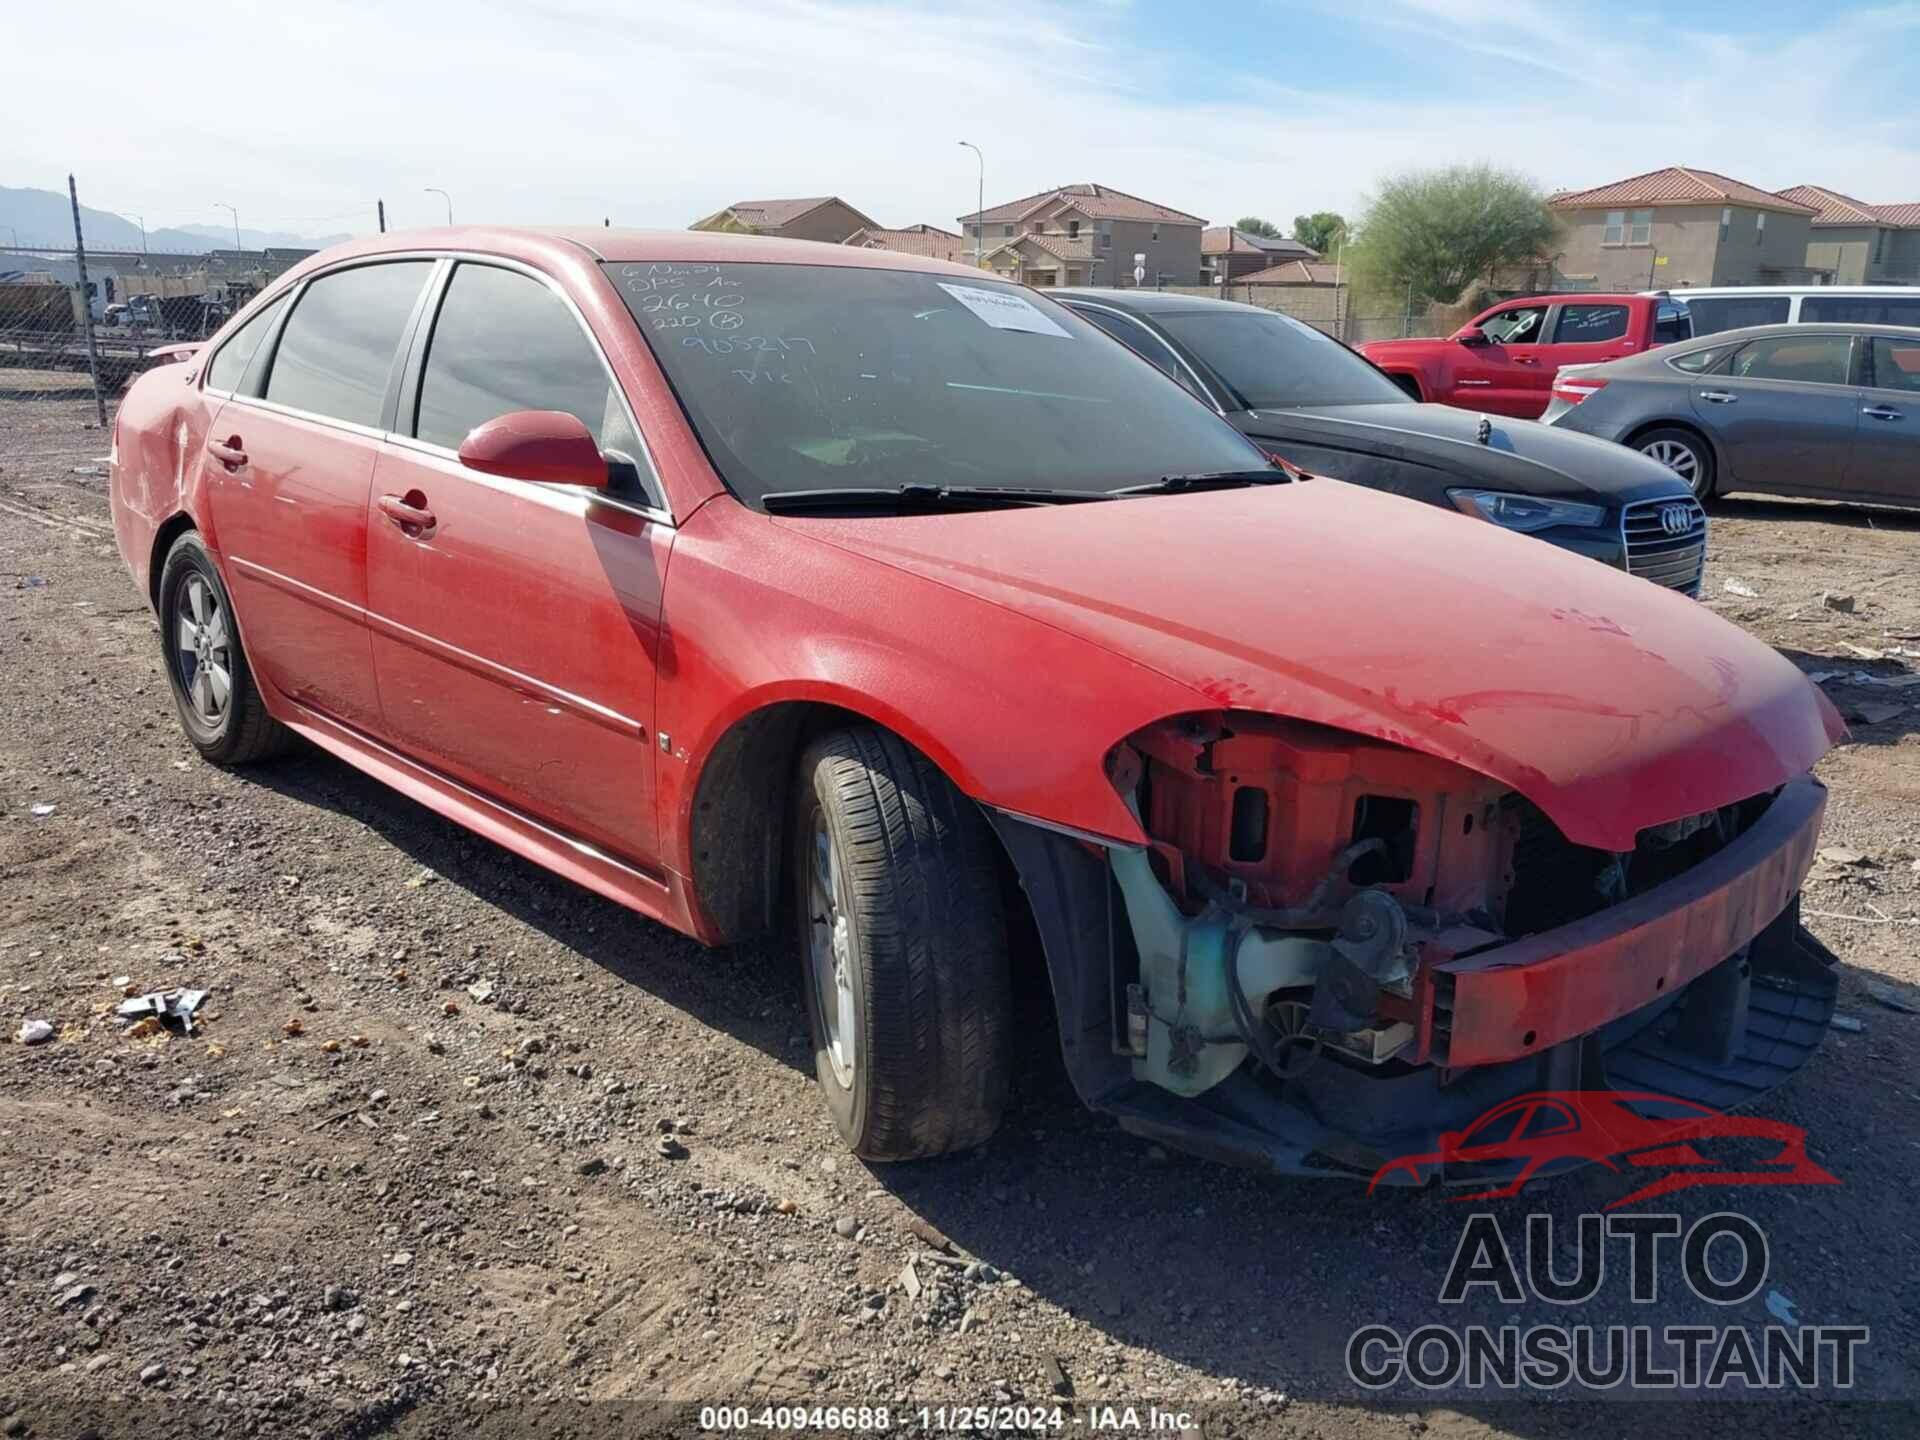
pixel 548 447
pixel 1471 335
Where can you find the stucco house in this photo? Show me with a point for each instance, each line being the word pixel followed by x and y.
pixel 1087 235
pixel 1861 244
pixel 1682 226
pixel 818 217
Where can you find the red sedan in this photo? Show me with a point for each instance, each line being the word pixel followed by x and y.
pixel 770 585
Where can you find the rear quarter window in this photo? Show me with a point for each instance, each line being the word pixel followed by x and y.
pixel 230 365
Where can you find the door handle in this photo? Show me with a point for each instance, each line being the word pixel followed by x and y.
pixel 228 452
pixel 410 513
pixel 1525 360
pixel 1719 397
pixel 1882 412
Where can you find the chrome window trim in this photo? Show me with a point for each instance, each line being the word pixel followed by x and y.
pixel 552 496
pixel 656 490
pixel 1205 391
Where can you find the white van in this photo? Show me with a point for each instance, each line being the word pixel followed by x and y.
pixel 1714 308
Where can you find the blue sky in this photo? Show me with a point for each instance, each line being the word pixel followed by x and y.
pixel 653 113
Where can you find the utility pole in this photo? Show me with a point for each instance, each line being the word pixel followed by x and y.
pixel 86 304
pixel 381 205
pixel 436 190
pixel 980 202
pixel 222 205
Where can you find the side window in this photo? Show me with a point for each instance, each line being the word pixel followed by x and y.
pixel 1896 364
pixel 505 342
pixel 1546 1119
pixel 1698 362
pixel 230 365
pixel 1522 326
pixel 338 349
pixel 1860 310
pixel 1714 313
pixel 1590 324
pixel 1804 359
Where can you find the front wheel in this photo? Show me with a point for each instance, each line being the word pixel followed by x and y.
pixel 903 944
pixel 1684 453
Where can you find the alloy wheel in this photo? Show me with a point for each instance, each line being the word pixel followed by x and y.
pixel 203 643
pixel 830 953
pixel 1678 457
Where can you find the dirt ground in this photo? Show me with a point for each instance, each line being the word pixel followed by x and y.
pixel 409 1172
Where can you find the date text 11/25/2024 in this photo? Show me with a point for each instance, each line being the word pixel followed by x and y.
pixel 929 1419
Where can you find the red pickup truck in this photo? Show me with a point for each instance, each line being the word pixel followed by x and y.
pixel 1504 359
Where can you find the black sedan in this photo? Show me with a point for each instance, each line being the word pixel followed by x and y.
pixel 1828 411
pixel 1310 400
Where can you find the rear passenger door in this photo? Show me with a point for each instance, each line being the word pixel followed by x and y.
pixel 1784 411
pixel 1588 334
pixel 289 467
pixel 515 637
pixel 1886 452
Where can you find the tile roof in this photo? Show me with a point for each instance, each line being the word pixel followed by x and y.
pixel 927 240
pixel 1293 272
pixel 1833 208
pixel 772 214
pixel 1838 209
pixel 1676 185
pixel 1100 202
pixel 1061 247
pixel 1226 239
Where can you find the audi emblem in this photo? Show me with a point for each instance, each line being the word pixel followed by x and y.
pixel 1676 519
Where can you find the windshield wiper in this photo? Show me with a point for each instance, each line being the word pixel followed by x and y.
pixel 1213 480
pixel 899 497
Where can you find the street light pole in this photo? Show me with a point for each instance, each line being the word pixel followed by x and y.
pixel 222 205
pixel 436 190
pixel 143 233
pixel 980 202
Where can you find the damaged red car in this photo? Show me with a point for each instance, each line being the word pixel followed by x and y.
pixel 767 586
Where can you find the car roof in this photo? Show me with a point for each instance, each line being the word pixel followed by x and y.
pixel 1150 302
pixel 1720 292
pixel 1805 327
pixel 696 247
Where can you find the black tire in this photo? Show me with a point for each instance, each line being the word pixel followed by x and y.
pixel 241 732
pixel 924 967
pixel 1671 443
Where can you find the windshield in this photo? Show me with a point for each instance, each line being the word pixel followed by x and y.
pixel 1273 361
pixel 814 377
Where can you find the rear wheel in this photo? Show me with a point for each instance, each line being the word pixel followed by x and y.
pixel 220 706
pixel 1682 452
pixel 904 946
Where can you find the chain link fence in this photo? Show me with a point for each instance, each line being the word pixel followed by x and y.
pixel 79 320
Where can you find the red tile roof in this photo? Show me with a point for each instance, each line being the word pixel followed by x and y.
pixel 1831 206
pixel 1676 185
pixel 927 240
pixel 772 214
pixel 1099 202
pixel 1294 272
pixel 1838 209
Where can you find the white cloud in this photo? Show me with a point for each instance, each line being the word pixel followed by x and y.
pixel 655 114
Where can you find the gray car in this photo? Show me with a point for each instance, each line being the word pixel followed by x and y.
pixel 1828 411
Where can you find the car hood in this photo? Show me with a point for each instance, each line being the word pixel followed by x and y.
pixel 1610 703
pixel 1520 455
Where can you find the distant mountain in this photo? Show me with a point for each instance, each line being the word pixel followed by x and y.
pixel 45 217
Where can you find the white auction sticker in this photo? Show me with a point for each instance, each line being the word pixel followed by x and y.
pixel 1004 310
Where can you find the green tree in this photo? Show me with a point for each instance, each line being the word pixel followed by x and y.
pixel 1254 225
pixel 1323 230
pixel 1435 232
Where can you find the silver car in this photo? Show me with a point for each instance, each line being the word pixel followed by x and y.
pixel 1828 411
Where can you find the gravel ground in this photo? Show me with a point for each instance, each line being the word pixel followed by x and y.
pixel 461 1147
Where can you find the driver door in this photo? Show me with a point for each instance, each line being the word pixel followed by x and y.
pixel 1507 376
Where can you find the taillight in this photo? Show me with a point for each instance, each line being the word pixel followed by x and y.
pixel 1575 388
